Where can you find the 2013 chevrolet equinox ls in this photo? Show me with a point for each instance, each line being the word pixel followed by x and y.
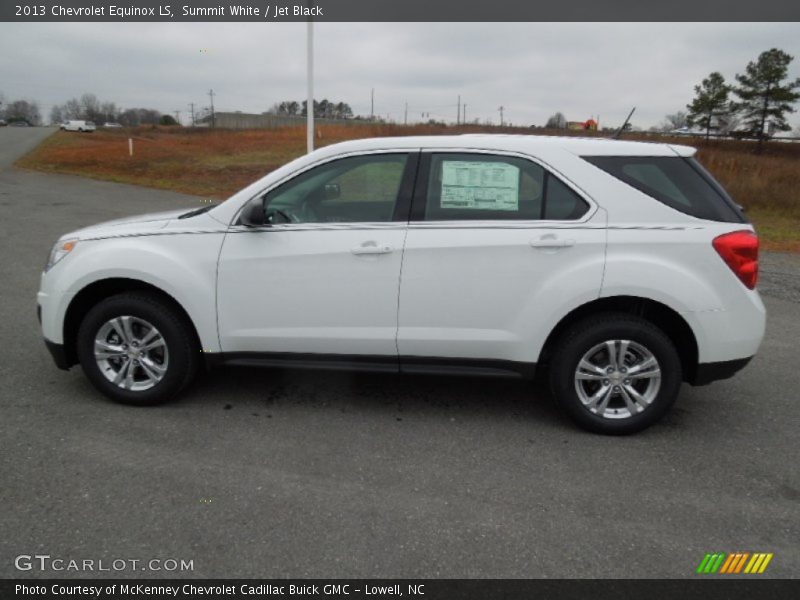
pixel 623 268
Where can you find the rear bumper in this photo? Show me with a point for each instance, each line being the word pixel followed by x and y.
pixel 59 354
pixel 714 371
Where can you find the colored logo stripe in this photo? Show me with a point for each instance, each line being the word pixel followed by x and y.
pixel 737 562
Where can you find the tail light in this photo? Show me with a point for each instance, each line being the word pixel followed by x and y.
pixel 739 250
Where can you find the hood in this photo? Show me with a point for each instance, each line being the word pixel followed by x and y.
pixel 137 225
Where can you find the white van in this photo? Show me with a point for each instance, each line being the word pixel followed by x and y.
pixel 87 126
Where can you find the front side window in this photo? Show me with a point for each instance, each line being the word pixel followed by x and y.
pixel 487 187
pixel 358 189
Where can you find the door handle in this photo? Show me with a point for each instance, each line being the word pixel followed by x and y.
pixel 551 243
pixel 371 248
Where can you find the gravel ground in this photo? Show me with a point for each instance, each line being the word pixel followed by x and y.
pixel 779 276
pixel 279 473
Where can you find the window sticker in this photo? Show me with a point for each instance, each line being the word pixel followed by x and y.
pixel 480 185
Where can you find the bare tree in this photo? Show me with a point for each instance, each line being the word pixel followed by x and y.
pixel 90 107
pixel 23 110
pixel 557 121
pixel 133 117
pixel 108 112
pixel 678 120
pixel 56 115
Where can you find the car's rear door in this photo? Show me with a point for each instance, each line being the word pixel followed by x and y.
pixel 322 276
pixel 497 245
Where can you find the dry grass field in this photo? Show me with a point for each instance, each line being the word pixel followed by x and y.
pixel 216 163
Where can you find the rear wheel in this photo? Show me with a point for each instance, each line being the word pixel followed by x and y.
pixel 615 373
pixel 137 349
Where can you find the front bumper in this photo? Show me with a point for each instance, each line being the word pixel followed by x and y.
pixel 59 354
pixel 57 351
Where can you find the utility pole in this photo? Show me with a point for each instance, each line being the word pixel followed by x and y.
pixel 458 110
pixel 178 116
pixel 501 115
pixel 191 109
pixel 405 116
pixel 372 105
pixel 464 120
pixel 213 115
pixel 310 96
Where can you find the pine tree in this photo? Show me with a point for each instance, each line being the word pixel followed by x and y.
pixel 765 98
pixel 710 103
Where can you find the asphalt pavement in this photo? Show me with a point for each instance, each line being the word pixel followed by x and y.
pixel 278 473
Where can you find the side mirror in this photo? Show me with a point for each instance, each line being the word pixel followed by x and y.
pixel 332 191
pixel 253 214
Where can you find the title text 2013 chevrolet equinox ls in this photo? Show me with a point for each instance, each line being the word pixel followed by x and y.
pixel 622 268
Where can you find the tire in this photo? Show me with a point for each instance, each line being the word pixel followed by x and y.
pixel 611 395
pixel 161 355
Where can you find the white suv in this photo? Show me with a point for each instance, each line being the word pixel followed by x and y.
pixel 618 269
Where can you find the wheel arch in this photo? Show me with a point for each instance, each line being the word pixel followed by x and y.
pixel 667 319
pixel 101 289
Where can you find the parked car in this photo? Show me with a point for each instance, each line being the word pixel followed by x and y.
pixel 3 123
pixel 616 270
pixel 77 125
pixel 19 124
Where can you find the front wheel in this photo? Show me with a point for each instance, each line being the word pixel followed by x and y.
pixel 137 349
pixel 615 373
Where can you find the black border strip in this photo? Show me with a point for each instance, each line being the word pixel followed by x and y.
pixel 404 11
pixel 696 588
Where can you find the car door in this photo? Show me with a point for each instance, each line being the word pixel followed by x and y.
pixel 322 276
pixel 497 246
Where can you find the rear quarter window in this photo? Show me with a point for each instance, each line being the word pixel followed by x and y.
pixel 680 183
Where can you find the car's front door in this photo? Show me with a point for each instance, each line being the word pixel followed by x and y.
pixel 322 276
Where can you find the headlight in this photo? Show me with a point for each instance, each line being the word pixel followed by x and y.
pixel 60 249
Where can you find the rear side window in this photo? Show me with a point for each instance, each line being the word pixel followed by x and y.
pixel 680 183
pixel 463 187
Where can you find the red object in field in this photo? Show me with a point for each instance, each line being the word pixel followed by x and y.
pixel 739 250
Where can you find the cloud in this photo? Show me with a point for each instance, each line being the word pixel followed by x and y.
pixel 532 69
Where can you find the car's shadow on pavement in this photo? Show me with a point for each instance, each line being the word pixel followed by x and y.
pixel 378 394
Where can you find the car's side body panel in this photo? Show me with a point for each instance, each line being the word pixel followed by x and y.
pixel 313 289
pixel 485 292
pixel 183 265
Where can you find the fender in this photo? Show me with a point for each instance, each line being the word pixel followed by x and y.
pixel 667 266
pixel 183 266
